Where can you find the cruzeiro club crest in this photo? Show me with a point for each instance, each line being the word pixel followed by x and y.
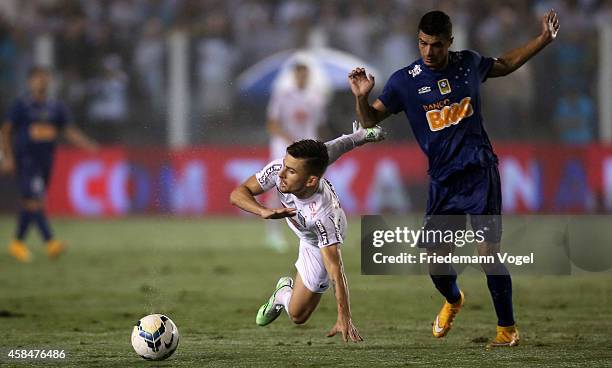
pixel 444 86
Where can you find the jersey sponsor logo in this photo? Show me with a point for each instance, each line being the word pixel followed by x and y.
pixel 301 219
pixel 269 171
pixel 437 105
pixel 444 86
pixel 336 223
pixel 322 232
pixel 449 115
pixel 335 195
pixel 42 132
pixel 415 71
pixel 425 89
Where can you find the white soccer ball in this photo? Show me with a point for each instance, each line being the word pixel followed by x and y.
pixel 155 337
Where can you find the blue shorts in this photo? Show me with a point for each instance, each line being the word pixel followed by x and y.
pixel 33 176
pixel 476 192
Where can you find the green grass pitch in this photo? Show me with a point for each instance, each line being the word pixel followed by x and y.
pixel 210 276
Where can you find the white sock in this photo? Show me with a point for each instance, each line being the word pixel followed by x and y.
pixel 283 296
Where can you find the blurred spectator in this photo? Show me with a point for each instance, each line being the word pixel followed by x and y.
pixel 108 104
pixel 575 118
pixel 215 69
pixel 398 47
pixel 149 64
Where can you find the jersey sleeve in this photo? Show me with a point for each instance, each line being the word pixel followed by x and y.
pixel 482 63
pixel 266 177
pixel 328 231
pixel 389 96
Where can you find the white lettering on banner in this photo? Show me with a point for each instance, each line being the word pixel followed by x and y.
pixel 520 185
pixel 607 182
pixel 188 194
pixel 341 174
pixel 82 202
pixel 386 192
pixel 118 182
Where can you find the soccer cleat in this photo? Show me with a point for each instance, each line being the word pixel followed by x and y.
pixel 506 337
pixel 374 134
pixel 446 316
pixel 19 251
pixel 268 312
pixel 55 248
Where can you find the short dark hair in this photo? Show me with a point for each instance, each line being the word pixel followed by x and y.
pixel 436 23
pixel 38 69
pixel 313 152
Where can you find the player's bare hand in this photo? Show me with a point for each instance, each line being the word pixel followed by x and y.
pixel 7 166
pixel 347 328
pixel 550 26
pixel 277 213
pixel 361 84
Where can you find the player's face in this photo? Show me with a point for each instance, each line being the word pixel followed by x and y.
pixel 301 76
pixel 434 50
pixel 39 82
pixel 294 176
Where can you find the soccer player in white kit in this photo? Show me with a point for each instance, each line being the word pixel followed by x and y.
pixel 312 210
pixel 296 111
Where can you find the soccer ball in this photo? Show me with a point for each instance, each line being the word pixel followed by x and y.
pixel 155 337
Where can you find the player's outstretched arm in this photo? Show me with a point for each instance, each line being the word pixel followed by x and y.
pixel 361 86
pixel 332 259
pixel 360 136
pixel 514 59
pixel 7 165
pixel 243 197
pixel 75 137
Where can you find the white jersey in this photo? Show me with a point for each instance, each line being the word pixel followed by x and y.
pixel 319 219
pixel 299 112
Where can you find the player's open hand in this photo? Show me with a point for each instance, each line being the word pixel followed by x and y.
pixel 550 26
pixel 361 84
pixel 277 213
pixel 347 328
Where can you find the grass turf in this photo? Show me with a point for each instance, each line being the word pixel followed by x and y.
pixel 211 275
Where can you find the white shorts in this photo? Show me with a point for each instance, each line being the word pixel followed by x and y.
pixel 311 268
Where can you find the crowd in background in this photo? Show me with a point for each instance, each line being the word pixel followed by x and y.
pixel 111 57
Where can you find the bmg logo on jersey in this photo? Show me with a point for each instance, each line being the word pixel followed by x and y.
pixel 449 115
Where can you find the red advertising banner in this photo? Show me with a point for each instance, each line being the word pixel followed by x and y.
pixel 371 179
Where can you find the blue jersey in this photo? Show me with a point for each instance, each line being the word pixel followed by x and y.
pixel 36 126
pixel 443 108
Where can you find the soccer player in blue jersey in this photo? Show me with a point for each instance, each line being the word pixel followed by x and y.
pixel 440 95
pixel 29 135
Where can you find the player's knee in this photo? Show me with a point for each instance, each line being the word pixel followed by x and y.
pixel 298 318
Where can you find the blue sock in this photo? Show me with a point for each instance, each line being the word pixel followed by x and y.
pixel 500 287
pixel 447 286
pixel 25 217
pixel 43 225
